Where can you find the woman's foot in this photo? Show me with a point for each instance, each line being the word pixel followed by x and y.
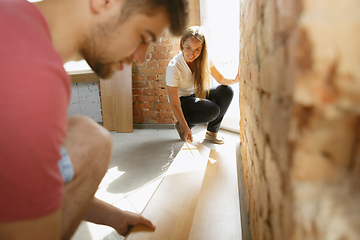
pixel 213 137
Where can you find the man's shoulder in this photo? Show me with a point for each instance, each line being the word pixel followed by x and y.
pixel 27 44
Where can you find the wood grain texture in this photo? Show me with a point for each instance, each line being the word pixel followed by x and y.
pixel 83 76
pixel 124 100
pixel 116 101
pixel 108 103
pixel 217 214
pixel 173 204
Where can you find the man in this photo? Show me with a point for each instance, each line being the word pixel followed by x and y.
pixel 51 165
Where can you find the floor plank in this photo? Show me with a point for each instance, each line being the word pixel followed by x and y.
pixel 217 213
pixel 173 205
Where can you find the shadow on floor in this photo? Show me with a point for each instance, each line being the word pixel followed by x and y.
pixel 142 157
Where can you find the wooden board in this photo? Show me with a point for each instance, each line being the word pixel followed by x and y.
pixel 108 103
pixel 124 100
pixel 83 76
pixel 116 101
pixel 217 214
pixel 173 204
pixel 116 97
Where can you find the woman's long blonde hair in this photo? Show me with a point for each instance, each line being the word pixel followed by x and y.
pixel 201 64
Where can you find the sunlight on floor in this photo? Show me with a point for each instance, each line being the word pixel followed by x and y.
pixel 136 199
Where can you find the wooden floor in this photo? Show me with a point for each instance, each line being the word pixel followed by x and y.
pixel 196 198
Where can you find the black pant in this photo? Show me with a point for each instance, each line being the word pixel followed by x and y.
pixel 211 110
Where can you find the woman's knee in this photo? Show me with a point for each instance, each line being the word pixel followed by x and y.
pixel 213 111
pixel 227 91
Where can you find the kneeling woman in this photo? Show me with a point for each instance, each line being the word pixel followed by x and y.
pixel 188 80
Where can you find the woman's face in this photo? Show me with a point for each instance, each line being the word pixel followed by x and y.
pixel 192 49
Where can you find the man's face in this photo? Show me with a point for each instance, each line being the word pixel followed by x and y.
pixel 112 44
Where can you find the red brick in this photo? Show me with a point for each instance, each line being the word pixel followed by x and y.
pixel 158 56
pixel 152 113
pixel 162 77
pixel 164 99
pixel 137 91
pixel 138 77
pixel 152 70
pixel 136 113
pixel 138 106
pixel 163 62
pixel 149 106
pixel 165 113
pixel 151 77
pixel 139 120
pixel 163 106
pixel 142 99
pixel 158 84
pixel 161 92
pixel 152 63
pixel 149 91
pixel 160 48
pixel 165 121
pixel 140 84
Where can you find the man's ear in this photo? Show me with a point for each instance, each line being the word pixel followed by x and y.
pixel 98 5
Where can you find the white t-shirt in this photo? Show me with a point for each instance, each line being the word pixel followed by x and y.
pixel 178 74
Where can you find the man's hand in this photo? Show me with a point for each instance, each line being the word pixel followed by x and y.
pixel 104 213
pixel 125 220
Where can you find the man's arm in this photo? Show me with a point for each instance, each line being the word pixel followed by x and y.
pixel 44 228
pixel 103 213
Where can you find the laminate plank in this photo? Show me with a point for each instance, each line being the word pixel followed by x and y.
pixel 108 103
pixel 124 100
pixel 116 101
pixel 173 204
pixel 217 215
pixel 83 76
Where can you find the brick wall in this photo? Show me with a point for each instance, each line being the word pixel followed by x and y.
pixel 150 97
pixel 300 118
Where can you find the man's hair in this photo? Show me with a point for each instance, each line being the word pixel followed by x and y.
pixel 178 11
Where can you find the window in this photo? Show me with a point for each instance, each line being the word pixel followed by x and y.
pixel 221 22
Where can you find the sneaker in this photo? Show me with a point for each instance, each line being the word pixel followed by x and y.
pixel 177 126
pixel 214 138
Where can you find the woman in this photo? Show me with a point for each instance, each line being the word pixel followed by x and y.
pixel 188 80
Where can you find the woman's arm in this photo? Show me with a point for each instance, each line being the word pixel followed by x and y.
pixel 220 78
pixel 176 107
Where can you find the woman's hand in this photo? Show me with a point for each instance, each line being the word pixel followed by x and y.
pixel 220 78
pixel 187 134
pixel 235 80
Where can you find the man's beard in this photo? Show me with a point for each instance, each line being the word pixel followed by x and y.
pixel 103 70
